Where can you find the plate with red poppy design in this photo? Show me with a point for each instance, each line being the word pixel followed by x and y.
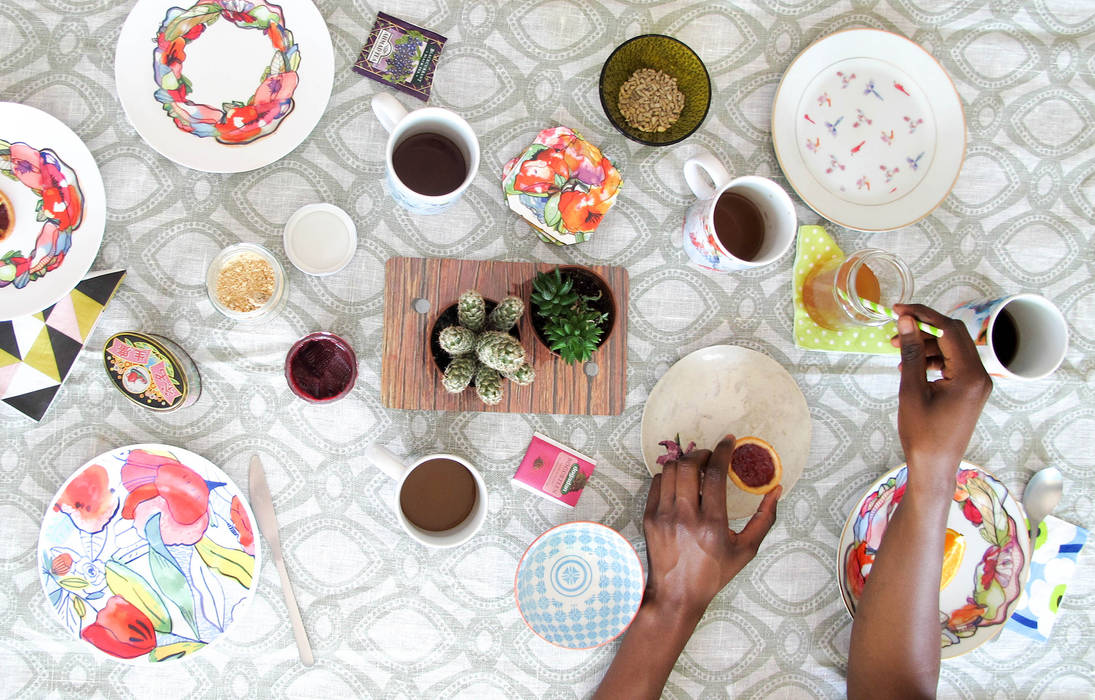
pixel 148 553
pixel 224 86
pixel 985 564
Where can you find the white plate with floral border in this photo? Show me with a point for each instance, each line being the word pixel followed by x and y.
pixel 224 86
pixel 869 129
pixel 57 193
pixel 986 587
pixel 148 553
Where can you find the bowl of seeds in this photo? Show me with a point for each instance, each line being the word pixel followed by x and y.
pixel 246 282
pixel 655 90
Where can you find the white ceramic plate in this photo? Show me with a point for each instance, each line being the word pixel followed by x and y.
pixel 869 129
pixel 992 525
pixel 579 585
pixel 729 389
pixel 148 553
pixel 65 155
pixel 224 64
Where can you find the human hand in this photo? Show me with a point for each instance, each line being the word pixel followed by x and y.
pixel 935 420
pixel 692 552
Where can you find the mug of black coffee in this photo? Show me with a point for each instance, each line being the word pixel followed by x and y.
pixel 1022 336
pixel 440 499
pixel 735 223
pixel 432 155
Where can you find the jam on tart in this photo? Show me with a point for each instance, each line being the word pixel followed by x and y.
pixel 755 466
pixel 7 217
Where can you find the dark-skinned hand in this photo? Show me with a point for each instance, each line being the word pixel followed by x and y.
pixel 692 551
pixel 936 419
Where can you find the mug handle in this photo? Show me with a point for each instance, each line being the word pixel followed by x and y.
pixel 388 110
pixel 705 164
pixel 385 460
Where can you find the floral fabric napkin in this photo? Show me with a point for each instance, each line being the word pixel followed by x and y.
pixel 814 247
pixel 1052 564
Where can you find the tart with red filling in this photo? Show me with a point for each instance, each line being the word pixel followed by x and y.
pixel 7 217
pixel 755 466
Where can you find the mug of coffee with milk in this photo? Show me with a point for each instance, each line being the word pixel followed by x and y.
pixel 737 223
pixel 431 157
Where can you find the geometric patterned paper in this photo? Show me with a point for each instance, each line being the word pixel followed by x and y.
pixel 37 351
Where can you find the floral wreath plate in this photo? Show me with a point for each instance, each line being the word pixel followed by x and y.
pixel 579 585
pixel 57 194
pixel 869 129
pixel 148 553
pixel 729 389
pixel 990 578
pixel 170 71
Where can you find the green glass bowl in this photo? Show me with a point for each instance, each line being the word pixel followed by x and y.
pixel 672 57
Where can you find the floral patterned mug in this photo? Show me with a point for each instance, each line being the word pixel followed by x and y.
pixel 400 125
pixel 709 181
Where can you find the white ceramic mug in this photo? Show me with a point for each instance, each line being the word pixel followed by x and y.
pixel 393 466
pixel 1040 328
pixel 401 124
pixel 709 180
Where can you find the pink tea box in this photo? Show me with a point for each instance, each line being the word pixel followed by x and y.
pixel 554 471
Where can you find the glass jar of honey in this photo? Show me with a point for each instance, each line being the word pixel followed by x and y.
pixel 833 292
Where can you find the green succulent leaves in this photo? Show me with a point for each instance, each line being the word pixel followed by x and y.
pixel 571 326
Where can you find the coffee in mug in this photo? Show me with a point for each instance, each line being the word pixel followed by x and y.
pixel 438 494
pixel 429 164
pixel 440 499
pixel 1023 336
pixel 736 223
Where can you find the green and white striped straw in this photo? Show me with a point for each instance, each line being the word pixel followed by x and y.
pixel 887 311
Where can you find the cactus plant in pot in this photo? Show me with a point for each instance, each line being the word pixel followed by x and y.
pixel 573 312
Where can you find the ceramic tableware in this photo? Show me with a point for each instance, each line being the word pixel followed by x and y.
pixel 320 239
pixel 58 205
pixel 579 585
pixel 670 56
pixel 989 577
pixel 869 129
pixel 148 553
pixel 224 86
pixel 729 389
pixel 400 470
pixel 1022 336
pixel 702 240
pixel 401 125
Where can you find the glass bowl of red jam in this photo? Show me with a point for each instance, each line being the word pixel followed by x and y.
pixel 321 367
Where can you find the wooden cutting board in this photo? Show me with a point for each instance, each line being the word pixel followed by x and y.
pixel 410 379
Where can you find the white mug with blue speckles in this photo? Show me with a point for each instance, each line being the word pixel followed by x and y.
pixel 401 125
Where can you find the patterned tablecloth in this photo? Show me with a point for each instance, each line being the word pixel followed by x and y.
pixel 390 619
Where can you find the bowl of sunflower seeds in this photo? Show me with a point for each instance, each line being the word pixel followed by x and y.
pixel 655 90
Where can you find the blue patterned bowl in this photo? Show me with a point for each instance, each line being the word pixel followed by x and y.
pixel 579 585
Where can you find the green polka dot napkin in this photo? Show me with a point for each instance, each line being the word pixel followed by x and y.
pixel 814 247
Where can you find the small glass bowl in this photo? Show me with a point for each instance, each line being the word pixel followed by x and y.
pixel 671 56
pixel 273 305
pixel 337 345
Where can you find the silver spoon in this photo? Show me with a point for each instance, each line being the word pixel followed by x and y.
pixel 1041 496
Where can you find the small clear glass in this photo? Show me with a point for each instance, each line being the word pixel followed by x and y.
pixel 269 307
pixel 833 290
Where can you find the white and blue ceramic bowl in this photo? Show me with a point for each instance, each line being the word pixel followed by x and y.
pixel 579 585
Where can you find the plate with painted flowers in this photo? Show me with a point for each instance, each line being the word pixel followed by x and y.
pixel 148 553
pixel 985 562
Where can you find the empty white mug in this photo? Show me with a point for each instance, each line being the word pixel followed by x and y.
pixel 400 125
pixel 709 180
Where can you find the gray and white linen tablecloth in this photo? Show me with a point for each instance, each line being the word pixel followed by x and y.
pixel 391 619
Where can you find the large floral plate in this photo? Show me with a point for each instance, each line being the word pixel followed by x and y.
pixel 224 85
pixel 148 553
pixel 579 585
pixel 993 571
pixel 869 129
pixel 59 206
pixel 729 389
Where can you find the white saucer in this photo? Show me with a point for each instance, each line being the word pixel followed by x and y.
pixel 320 239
